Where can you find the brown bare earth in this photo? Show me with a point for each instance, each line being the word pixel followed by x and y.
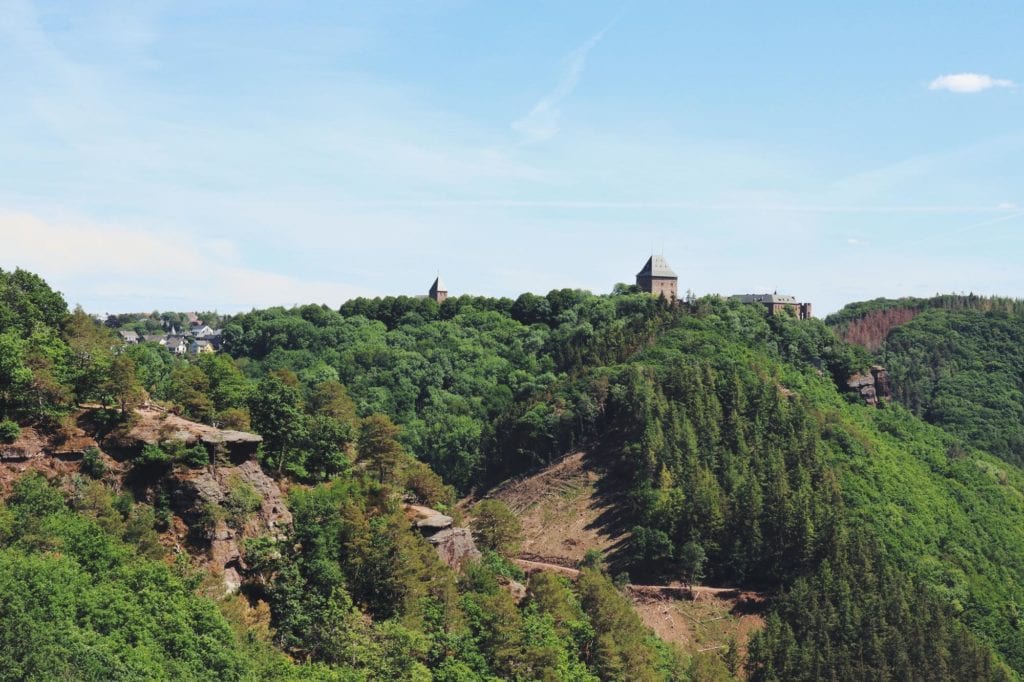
pixel 562 515
pixel 569 508
pixel 704 622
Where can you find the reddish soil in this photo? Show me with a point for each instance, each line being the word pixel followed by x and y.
pixel 560 512
pixel 566 509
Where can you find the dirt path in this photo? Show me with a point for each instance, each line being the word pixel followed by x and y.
pixel 574 506
pixel 674 589
pixel 535 566
pixel 696 617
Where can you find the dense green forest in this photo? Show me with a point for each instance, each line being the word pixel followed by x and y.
pixel 958 362
pixel 893 548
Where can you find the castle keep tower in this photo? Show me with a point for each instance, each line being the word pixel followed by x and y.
pixel 438 291
pixel 657 278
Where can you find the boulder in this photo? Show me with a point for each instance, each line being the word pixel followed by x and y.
pixel 454 545
pixel 516 589
pixel 426 519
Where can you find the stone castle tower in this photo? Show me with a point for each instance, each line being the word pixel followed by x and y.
pixel 658 278
pixel 438 291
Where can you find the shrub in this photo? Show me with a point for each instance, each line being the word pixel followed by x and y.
pixel 241 502
pixel 234 418
pixel 92 463
pixel 205 525
pixel 194 457
pixel 9 431
pixel 496 527
pixel 152 456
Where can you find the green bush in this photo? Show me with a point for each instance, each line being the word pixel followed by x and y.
pixel 92 463
pixel 153 456
pixel 241 502
pixel 496 527
pixel 194 457
pixel 9 431
pixel 205 524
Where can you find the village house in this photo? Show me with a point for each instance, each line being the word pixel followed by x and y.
pixel 176 344
pixel 200 346
pixel 129 336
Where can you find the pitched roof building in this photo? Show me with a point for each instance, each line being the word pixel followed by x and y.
pixel 438 291
pixel 177 344
pixel 657 277
pixel 776 303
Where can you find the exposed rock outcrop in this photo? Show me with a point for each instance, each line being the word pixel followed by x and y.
pixel 453 544
pixel 515 588
pixel 873 386
pixel 427 519
pixel 153 425
pixel 67 445
pixel 196 490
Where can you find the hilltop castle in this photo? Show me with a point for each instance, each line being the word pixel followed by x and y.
pixel 658 278
pixel 777 302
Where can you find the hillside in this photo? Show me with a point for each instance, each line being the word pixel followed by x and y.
pixel 705 443
pixel 956 362
pixel 571 507
pixel 562 512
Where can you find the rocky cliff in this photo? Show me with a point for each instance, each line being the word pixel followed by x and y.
pixel 195 493
pixel 872 386
pixel 214 508
pixel 151 425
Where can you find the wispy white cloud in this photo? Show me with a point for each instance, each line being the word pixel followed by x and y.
pixel 542 122
pixel 125 267
pixel 853 241
pixel 992 221
pixel 968 82
pixel 653 205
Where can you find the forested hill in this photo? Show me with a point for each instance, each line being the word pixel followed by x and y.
pixel 868 323
pixel 955 361
pixel 891 549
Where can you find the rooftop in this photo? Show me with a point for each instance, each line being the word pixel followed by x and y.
pixel 765 298
pixel 656 266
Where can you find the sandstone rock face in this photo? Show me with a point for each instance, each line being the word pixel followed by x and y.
pixel 425 518
pixel 454 546
pixel 874 386
pixel 435 522
pixel 194 490
pixel 883 387
pixel 153 425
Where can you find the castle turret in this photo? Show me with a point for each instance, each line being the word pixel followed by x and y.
pixel 438 291
pixel 658 278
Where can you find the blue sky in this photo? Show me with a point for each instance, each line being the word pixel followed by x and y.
pixel 197 155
